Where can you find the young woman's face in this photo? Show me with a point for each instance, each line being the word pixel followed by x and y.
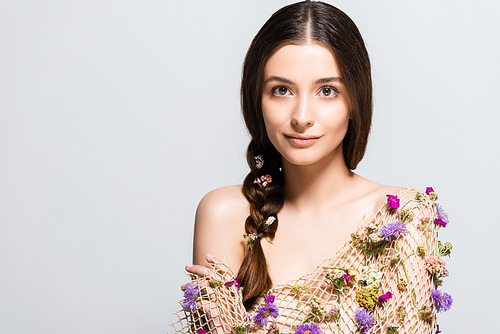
pixel 304 104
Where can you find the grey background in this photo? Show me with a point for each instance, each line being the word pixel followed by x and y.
pixel 116 117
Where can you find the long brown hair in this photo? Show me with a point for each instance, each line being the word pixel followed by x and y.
pixel 298 23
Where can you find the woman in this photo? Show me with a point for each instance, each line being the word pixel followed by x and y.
pixel 306 97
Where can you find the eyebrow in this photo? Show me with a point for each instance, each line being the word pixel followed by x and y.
pixel 325 80
pixel 290 82
pixel 279 79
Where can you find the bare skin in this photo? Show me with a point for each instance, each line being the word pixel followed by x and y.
pixel 324 200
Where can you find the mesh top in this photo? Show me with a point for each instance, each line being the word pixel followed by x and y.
pixel 364 269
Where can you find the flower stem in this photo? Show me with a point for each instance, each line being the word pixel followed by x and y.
pixel 412 327
pixel 411 200
pixel 347 254
pixel 387 316
pixel 409 256
pixel 402 262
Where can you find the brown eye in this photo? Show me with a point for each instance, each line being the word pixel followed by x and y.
pixel 327 91
pixel 282 91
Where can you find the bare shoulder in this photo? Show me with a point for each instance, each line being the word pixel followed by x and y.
pixel 374 195
pixel 219 226
pixel 221 204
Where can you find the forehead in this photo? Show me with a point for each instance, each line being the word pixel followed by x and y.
pixel 305 61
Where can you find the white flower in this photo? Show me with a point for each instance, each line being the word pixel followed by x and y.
pixel 371 276
pixel 370 226
pixel 375 237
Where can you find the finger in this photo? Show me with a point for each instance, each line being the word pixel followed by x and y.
pixel 222 270
pixel 197 270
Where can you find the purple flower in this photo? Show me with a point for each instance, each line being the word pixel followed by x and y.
pixel 393 201
pixel 438 331
pixel 190 295
pixel 308 328
pixel 385 296
pixel 364 319
pixel 234 282
pixel 442 214
pixel 347 276
pixel 392 231
pixel 269 309
pixel 429 190
pixel 442 300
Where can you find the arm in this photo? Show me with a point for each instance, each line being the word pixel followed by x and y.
pixel 219 226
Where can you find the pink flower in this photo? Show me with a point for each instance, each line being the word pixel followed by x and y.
pixel 263 181
pixel 347 276
pixel 202 331
pixel 234 282
pixel 439 221
pixel 429 190
pixel 270 299
pixel 385 296
pixel 393 201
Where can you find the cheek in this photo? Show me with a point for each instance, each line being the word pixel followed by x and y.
pixel 272 120
pixel 336 119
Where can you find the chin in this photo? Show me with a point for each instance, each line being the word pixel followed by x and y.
pixel 310 157
pixel 302 159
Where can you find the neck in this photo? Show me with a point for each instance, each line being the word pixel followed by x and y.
pixel 312 186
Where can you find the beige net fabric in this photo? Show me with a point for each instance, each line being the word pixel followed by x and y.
pixel 397 268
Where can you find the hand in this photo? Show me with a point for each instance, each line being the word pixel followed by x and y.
pixel 219 307
pixel 199 270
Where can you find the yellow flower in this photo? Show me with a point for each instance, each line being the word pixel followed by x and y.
pixel 367 297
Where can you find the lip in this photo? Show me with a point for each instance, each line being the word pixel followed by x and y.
pixel 301 140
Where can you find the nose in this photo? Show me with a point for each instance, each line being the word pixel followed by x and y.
pixel 302 116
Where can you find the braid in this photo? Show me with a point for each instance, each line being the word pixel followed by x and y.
pixel 264 202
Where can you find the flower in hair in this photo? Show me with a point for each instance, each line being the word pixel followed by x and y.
pixel 259 161
pixel 270 220
pixel 190 295
pixel 250 239
pixel 263 181
pixel 393 201
pixel 269 309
